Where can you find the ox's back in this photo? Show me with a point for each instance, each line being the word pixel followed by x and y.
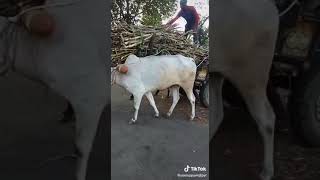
pixel 161 72
pixel 244 38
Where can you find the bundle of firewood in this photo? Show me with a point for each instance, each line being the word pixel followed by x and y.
pixel 149 40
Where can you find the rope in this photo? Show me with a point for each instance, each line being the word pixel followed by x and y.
pixel 201 62
pixel 16 18
pixel 294 2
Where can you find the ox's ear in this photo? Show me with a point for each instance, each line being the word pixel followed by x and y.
pixel 113 68
pixel 117 67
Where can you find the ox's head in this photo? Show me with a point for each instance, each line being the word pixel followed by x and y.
pixel 121 68
pixel 30 13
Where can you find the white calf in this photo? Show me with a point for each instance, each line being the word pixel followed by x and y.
pixel 152 73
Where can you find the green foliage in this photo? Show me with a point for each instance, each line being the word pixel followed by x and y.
pixel 148 12
pixel 153 20
pixel 203 33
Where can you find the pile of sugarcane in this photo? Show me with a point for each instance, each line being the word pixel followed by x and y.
pixel 149 40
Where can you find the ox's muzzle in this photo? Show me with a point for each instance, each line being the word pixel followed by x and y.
pixel 39 22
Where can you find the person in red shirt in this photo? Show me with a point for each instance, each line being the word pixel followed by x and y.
pixel 190 14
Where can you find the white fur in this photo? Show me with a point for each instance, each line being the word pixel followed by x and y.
pixel 153 73
pixel 72 63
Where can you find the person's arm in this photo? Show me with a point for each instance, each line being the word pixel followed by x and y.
pixel 174 19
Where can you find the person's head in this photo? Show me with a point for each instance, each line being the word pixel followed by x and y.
pixel 183 3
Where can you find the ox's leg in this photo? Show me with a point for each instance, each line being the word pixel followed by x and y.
pixel 157 92
pixel 68 114
pixel 86 126
pixel 262 112
pixel 152 103
pixel 175 99
pixel 189 92
pixel 88 98
pixel 137 101
pixel 217 110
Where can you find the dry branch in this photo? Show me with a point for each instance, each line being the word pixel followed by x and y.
pixel 148 40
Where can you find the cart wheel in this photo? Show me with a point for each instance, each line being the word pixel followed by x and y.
pixel 306 109
pixel 204 94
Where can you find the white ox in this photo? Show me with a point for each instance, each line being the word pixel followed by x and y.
pixel 71 62
pixel 153 73
pixel 242 52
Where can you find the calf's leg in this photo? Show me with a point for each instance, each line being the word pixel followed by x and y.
pixel 152 103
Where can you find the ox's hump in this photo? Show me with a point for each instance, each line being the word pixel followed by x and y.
pixel 132 59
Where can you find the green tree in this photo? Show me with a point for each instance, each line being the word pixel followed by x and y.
pixel 148 12
pixel 203 33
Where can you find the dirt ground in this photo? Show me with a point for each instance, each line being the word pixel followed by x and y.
pixel 238 147
pixel 237 151
pixel 155 148
pixel 31 136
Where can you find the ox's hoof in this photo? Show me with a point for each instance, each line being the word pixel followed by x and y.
pixel 156 115
pixel 191 118
pixel 168 115
pixel 132 121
